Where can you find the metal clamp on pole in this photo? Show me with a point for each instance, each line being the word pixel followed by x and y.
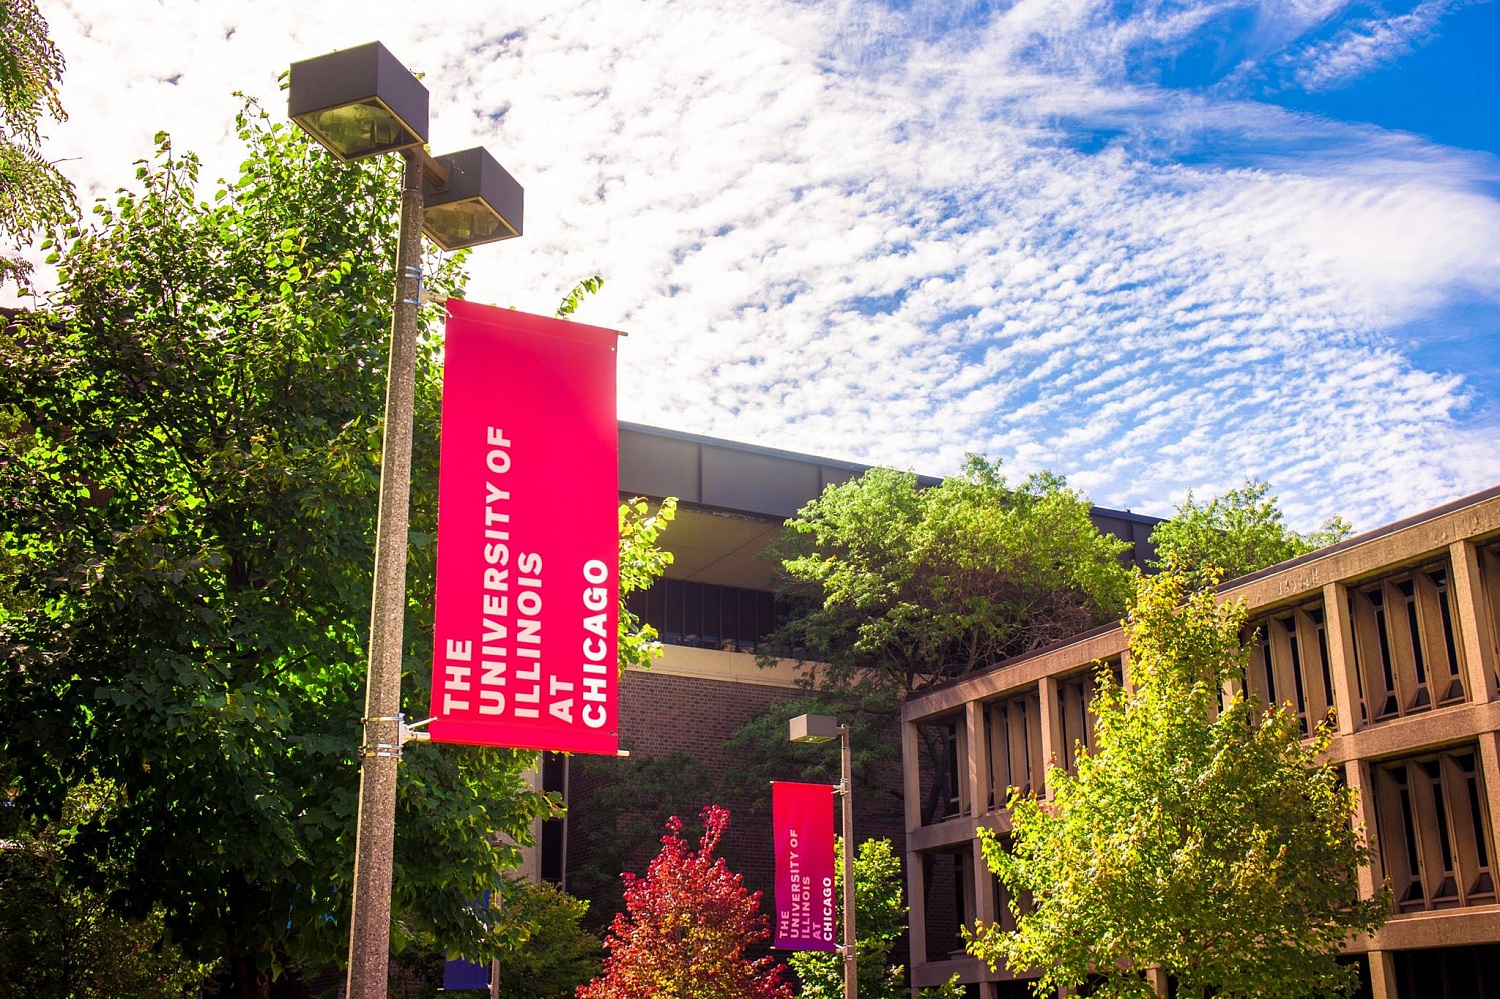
pixel 373 746
pixel 413 273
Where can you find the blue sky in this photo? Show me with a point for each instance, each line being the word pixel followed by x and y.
pixel 1154 247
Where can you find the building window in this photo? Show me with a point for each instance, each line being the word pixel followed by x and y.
pixel 1449 972
pixel 1404 644
pixel 1489 598
pixel 943 752
pixel 1013 733
pixel 706 616
pixel 554 847
pixel 949 892
pixel 953 750
pixel 1002 897
pixel 1434 831
pixel 1289 664
pixel 1075 708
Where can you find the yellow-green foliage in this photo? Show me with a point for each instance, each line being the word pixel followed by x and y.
pixel 1207 840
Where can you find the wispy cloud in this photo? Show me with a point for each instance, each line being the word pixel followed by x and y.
pixel 1367 44
pixel 900 235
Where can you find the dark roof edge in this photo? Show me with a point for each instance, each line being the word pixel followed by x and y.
pixel 809 459
pixel 1135 518
pixel 850 466
pixel 1363 539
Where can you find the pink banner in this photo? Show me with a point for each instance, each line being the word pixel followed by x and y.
pixel 802 822
pixel 528 534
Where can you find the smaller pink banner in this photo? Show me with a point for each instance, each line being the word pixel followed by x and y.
pixel 802 821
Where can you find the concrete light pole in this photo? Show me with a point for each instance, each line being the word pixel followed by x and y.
pixel 825 728
pixel 362 102
pixel 380 753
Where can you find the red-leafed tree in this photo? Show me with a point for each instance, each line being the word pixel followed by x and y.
pixel 686 927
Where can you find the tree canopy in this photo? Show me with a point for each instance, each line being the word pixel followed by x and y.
pixel 909 585
pixel 547 954
pixel 1210 842
pixel 902 586
pixel 189 453
pixel 33 194
pixel 686 928
pixel 1235 534
pixel 60 941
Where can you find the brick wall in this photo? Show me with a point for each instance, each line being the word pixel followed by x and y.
pixel 662 714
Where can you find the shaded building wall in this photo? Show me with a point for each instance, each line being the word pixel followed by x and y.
pixel 1393 635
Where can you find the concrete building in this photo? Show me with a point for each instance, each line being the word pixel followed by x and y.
pixel 713 608
pixel 1394 629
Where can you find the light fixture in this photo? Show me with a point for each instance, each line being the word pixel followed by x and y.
pixel 359 102
pixel 478 203
pixel 814 728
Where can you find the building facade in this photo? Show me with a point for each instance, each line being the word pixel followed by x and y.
pixel 1393 630
pixel 712 610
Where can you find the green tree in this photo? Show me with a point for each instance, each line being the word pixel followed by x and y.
pixel 642 562
pixel 1235 534
pixel 58 941
pixel 911 586
pixel 761 753
pixel 879 921
pixel 905 586
pixel 1208 841
pixel 547 953
pixel 33 194
pixel 189 497
pixel 575 297
pixel 625 800
pixel 543 950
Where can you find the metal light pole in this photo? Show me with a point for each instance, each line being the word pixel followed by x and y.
pixel 362 102
pixel 825 728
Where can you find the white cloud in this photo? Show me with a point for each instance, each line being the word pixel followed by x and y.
pixel 875 235
pixel 1365 45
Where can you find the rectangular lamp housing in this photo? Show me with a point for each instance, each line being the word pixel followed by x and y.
pixel 814 728
pixel 480 203
pixel 358 102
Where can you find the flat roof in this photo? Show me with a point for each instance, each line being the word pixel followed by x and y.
pixel 727 475
pixel 772 484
